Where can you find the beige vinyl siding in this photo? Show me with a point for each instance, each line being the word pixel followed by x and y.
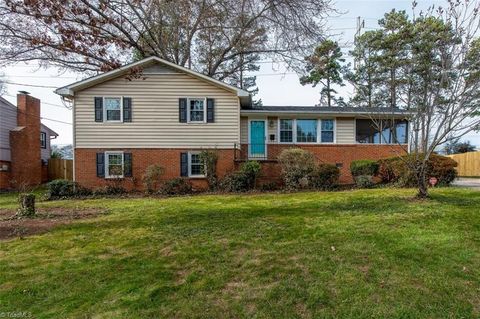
pixel 155 122
pixel 272 128
pixel 345 130
pixel 8 121
pixel 244 130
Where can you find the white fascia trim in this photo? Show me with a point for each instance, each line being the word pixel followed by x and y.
pixel 69 90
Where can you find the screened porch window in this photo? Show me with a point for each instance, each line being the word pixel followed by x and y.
pixel 382 132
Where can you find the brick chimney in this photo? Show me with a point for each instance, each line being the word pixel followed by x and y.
pixel 25 143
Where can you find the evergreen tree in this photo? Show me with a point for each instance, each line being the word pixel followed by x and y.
pixel 324 67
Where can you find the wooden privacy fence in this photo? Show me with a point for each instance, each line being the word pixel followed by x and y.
pixel 60 169
pixel 468 163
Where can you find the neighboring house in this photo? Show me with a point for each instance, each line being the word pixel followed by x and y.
pixel 24 143
pixel 124 122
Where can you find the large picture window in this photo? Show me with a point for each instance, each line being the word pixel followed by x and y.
pixel 286 131
pixel 327 133
pixel 113 109
pixel 382 132
pixel 114 164
pixel 306 131
pixel 196 110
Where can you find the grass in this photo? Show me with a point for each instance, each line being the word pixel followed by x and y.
pixel 354 254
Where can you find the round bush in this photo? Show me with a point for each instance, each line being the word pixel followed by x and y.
pixel 242 180
pixel 297 166
pixel 325 177
pixel 364 167
pixel 177 186
pixel 399 170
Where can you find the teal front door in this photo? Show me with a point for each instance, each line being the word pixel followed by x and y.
pixel 257 139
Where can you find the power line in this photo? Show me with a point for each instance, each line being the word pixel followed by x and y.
pixel 57 105
pixel 41 76
pixel 32 85
pixel 34 115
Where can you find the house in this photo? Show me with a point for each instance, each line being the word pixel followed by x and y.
pixel 24 143
pixel 125 120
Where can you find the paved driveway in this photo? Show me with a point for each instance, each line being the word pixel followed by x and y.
pixel 473 183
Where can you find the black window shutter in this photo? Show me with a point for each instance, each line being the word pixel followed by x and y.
pixel 127 164
pixel 182 110
pixel 127 109
pixel 210 110
pixel 98 109
pixel 100 164
pixel 184 164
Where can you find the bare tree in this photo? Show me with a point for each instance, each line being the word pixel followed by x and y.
pixel 217 37
pixel 440 82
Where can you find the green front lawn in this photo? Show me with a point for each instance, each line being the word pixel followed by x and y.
pixel 354 254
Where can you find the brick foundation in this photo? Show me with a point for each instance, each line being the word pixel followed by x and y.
pixel 331 154
pixel 86 174
pixel 85 162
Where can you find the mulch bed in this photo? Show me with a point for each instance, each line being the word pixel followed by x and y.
pixel 44 220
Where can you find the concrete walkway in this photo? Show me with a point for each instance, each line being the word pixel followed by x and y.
pixel 473 183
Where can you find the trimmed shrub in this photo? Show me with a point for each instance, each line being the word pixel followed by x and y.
pixel 297 165
pixel 443 168
pixel 364 167
pixel 269 186
pixel 62 188
pixel 243 180
pixel 325 177
pixel 177 186
pixel 152 178
pixel 251 170
pixel 397 170
pixel 234 182
pixel 364 181
pixel 111 189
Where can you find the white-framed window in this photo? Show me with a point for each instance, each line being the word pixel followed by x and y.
pixel 43 140
pixel 306 131
pixel 195 165
pixel 114 164
pixel 286 131
pixel 327 131
pixel 196 110
pixel 112 107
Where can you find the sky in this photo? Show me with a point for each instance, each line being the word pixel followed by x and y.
pixel 277 86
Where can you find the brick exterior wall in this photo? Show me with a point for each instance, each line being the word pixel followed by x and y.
pixel 86 174
pixel 331 154
pixel 26 165
pixel 86 171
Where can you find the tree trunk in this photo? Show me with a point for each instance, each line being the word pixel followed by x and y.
pixel 27 205
pixel 422 182
pixel 328 93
